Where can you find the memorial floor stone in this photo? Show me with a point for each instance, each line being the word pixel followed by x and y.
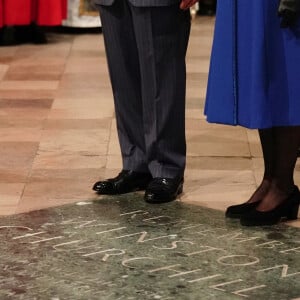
pixel 122 248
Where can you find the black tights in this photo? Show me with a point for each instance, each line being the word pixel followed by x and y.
pixel 280 148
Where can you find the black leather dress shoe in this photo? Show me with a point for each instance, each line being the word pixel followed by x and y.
pixel 161 190
pixel 237 211
pixel 127 181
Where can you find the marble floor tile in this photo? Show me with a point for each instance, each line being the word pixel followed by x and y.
pixel 197 65
pixel 50 53
pixel 217 182
pixel 196 91
pixel 194 103
pixel 17 155
pixel 83 142
pixel 29 85
pixel 197 78
pixel 80 124
pixel 20 134
pixel 7 55
pixel 217 198
pixel 14 175
pixel 7 210
pixel 219 163
pixel 87 42
pixel 99 93
pixel 194 112
pixel 25 108
pixel 83 64
pixel 3 70
pixel 10 194
pixel 87 54
pixel 27 94
pixel 53 187
pixel 12 122
pixel 38 58
pixel 82 108
pixel 56 160
pixel 34 72
pixel 217 142
pixel 90 81
pixel 25 103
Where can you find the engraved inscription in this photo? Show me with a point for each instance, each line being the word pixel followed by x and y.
pixel 129 250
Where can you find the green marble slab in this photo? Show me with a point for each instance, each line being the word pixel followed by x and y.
pixel 122 248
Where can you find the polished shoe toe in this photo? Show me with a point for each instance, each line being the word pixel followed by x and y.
pixel 104 187
pixel 161 190
pixel 127 181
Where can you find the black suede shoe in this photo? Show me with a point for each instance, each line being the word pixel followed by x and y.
pixel 127 181
pixel 161 190
pixel 287 210
pixel 237 211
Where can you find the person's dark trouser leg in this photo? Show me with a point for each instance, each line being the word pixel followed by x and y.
pixel 162 35
pixel 124 72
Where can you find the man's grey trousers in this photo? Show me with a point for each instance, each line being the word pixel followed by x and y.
pixel 146 49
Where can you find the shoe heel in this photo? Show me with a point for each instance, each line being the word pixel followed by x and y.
pixel 292 213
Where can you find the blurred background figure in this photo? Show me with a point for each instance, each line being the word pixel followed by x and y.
pixel 207 7
pixel 82 14
pixel 22 21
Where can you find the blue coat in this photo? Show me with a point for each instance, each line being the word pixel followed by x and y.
pixel 254 78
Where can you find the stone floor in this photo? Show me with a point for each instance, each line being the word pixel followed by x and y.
pixel 58 133
pixel 61 241
pixel 120 248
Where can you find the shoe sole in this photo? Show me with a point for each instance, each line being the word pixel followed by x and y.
pixel 248 224
pixel 233 216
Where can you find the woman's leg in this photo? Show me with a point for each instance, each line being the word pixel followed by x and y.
pixel 267 144
pixel 286 142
